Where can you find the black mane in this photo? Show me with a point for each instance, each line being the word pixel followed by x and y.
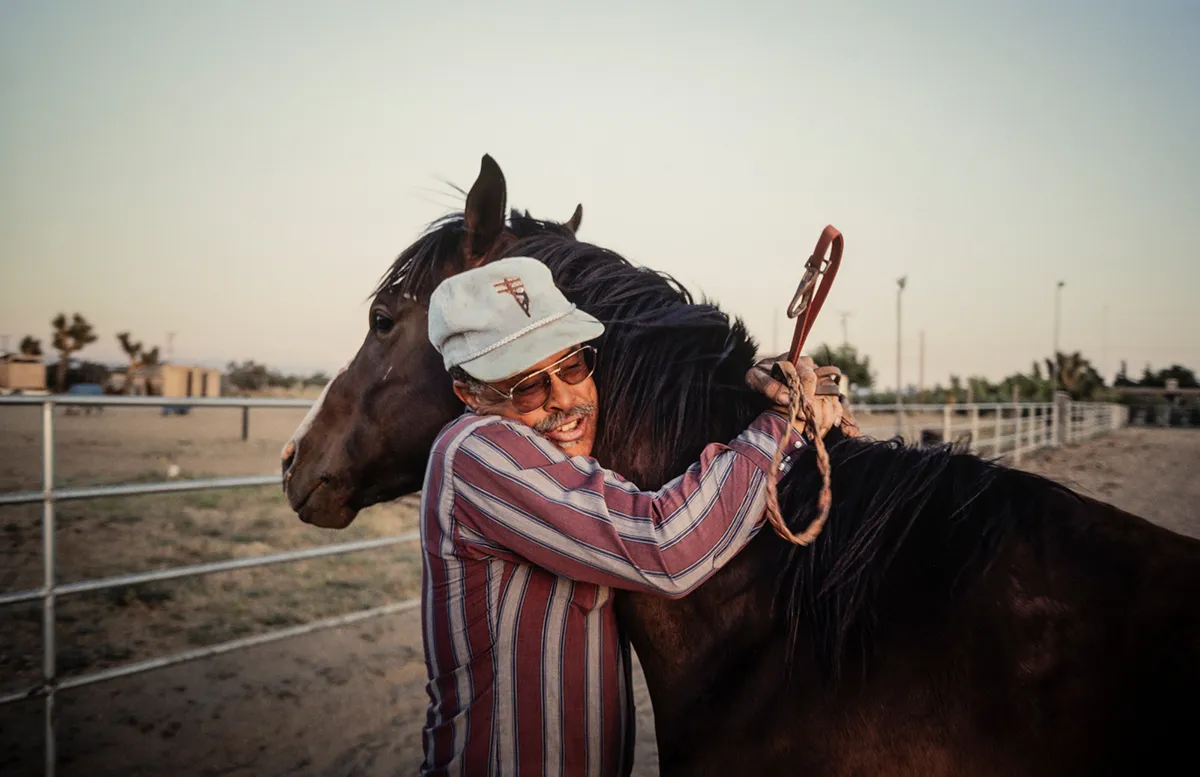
pixel 671 377
pixel 944 510
pixel 670 370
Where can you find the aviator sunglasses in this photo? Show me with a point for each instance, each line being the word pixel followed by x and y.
pixel 532 391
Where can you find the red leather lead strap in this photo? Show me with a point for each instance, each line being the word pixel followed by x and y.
pixel 814 287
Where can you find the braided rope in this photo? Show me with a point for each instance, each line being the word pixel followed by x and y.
pixel 800 403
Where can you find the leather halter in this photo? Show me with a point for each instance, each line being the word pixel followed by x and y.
pixel 819 273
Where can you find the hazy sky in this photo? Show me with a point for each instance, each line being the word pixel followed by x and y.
pixel 241 173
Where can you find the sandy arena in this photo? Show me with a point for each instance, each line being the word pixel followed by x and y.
pixel 344 702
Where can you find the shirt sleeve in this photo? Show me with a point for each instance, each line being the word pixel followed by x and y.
pixel 515 491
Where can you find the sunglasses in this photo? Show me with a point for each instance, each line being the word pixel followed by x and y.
pixel 532 391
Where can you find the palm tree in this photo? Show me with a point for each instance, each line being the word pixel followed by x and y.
pixel 1076 375
pixel 69 338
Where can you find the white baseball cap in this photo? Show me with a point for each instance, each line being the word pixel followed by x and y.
pixel 500 319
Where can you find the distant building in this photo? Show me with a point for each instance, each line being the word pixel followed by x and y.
pixel 182 380
pixel 22 372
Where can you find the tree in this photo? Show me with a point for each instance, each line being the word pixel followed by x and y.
pixel 1185 376
pixel 1076 375
pixel 316 379
pixel 69 337
pixel 133 350
pixel 248 375
pixel 846 358
pixel 1122 378
pixel 31 346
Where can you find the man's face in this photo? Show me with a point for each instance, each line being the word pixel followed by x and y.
pixel 567 417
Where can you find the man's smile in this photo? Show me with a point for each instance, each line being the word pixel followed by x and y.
pixel 568 434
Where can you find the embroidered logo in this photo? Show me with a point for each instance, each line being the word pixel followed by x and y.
pixel 516 288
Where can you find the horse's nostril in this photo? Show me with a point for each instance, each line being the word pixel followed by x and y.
pixel 286 457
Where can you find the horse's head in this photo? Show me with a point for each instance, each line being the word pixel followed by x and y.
pixel 367 438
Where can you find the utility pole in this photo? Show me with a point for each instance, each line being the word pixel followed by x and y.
pixel 845 314
pixel 899 385
pixel 1104 366
pixel 1054 358
pixel 921 369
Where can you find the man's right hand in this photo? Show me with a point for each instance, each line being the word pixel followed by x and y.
pixel 827 407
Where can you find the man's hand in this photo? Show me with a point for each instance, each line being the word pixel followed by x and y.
pixel 827 407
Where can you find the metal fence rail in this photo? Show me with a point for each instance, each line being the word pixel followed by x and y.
pixel 999 429
pixel 50 590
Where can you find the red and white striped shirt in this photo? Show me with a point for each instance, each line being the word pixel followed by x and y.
pixel 528 671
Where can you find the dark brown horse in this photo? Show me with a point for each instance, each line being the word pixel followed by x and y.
pixel 954 618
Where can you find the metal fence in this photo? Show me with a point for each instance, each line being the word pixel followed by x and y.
pixel 994 429
pixel 50 590
pixel 998 430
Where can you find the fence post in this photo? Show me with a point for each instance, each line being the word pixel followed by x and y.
pixel 245 422
pixel 49 650
pixel 1016 398
pixel 947 416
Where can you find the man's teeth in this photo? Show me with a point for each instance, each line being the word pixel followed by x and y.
pixel 568 426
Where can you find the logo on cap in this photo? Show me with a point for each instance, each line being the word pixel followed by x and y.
pixel 515 288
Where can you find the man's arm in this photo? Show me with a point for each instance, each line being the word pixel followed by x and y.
pixel 515 491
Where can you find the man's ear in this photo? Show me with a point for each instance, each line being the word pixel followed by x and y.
pixel 463 392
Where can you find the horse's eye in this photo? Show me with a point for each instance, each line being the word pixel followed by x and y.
pixel 381 323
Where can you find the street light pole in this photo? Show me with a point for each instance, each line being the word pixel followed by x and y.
pixel 1054 357
pixel 899 385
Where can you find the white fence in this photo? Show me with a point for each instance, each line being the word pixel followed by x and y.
pixel 993 430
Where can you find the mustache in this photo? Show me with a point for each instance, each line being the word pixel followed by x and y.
pixel 583 410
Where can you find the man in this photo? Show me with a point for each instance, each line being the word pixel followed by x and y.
pixel 525 534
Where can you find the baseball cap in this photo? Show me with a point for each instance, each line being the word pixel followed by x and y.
pixel 501 318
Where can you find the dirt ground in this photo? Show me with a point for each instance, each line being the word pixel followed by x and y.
pixel 348 701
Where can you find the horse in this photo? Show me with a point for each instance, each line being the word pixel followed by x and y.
pixel 956 616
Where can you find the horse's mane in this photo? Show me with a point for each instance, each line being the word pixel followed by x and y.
pixel 435 254
pixel 944 509
pixel 671 380
pixel 670 369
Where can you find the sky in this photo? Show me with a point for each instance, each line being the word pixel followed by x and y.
pixel 241 174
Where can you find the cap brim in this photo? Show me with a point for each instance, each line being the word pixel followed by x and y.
pixel 518 356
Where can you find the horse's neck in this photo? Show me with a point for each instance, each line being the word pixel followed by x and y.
pixel 674 638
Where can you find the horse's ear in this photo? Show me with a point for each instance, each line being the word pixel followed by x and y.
pixel 576 219
pixel 484 211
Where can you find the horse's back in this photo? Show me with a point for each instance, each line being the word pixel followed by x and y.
pixel 1075 652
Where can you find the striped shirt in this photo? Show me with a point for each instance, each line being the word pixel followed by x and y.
pixel 528 672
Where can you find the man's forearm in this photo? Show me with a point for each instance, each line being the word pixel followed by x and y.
pixel 517 491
